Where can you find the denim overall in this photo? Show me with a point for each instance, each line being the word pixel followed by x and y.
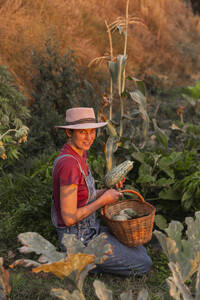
pixel 89 227
pixel 124 261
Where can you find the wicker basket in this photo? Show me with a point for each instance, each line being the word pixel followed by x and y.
pixel 133 232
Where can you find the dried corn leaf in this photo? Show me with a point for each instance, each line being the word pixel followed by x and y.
pixel 101 291
pixel 117 70
pixel 65 295
pixel 127 296
pixel 143 295
pixel 64 268
pixel 4 282
pixel 111 147
pixel 25 262
pixel 112 130
pixel 195 263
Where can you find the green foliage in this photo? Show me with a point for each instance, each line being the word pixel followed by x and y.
pixel 13 114
pixel 56 86
pixel 189 136
pixel 171 180
pixel 25 200
pixel 192 95
pixel 97 165
pixel 191 190
pixel 193 91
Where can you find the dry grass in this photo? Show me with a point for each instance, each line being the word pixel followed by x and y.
pixel 166 47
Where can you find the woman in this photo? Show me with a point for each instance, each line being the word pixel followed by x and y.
pixel 75 200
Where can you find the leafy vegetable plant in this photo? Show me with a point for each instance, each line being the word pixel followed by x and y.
pixel 183 253
pixel 73 265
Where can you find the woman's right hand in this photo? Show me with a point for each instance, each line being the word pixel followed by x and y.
pixel 111 196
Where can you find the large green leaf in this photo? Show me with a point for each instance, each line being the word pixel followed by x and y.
pixel 160 221
pixel 139 156
pixel 160 134
pixel 146 179
pixel 117 70
pixel 140 99
pixel 170 160
pixel 139 83
pixel 145 174
pixel 34 242
pixel 169 172
pixel 187 200
pixel 193 91
pixel 169 194
pixel 164 182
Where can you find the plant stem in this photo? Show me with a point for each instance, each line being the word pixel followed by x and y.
pixel 9 130
pixel 111 58
pixel 123 77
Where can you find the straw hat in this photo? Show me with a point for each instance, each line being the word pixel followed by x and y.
pixel 81 118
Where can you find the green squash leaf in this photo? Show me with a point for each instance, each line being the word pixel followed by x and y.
pixel 169 194
pixel 161 222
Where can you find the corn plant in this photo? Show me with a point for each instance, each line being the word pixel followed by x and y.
pixel 117 71
pixel 119 92
pixel 184 257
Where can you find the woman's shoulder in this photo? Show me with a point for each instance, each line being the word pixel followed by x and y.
pixel 68 159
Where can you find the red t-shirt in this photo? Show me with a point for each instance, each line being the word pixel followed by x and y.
pixel 66 172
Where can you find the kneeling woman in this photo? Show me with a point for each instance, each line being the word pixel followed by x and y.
pixel 75 199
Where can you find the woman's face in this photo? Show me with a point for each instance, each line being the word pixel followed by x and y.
pixel 81 139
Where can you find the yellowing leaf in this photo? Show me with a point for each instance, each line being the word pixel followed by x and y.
pixel 194 265
pixel 175 127
pixel 65 267
pixel 4 281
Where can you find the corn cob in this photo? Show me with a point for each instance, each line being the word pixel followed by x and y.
pixel 118 173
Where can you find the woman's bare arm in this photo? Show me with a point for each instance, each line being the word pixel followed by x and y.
pixel 68 203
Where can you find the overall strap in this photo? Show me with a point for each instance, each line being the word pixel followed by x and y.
pixel 68 155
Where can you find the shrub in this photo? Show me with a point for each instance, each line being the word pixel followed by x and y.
pixel 13 114
pixel 56 87
pixel 25 201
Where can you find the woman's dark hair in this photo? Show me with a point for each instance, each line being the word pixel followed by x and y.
pixel 71 132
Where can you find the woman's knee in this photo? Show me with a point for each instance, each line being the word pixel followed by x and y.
pixel 146 265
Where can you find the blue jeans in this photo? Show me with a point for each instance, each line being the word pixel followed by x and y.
pixel 124 261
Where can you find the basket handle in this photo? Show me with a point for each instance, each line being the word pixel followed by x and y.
pixel 126 191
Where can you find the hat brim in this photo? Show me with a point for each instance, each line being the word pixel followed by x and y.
pixel 84 126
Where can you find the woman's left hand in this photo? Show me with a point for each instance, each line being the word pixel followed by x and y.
pixel 119 185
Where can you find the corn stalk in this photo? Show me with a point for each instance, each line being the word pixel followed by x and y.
pixel 117 69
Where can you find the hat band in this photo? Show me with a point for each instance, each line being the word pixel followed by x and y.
pixel 82 121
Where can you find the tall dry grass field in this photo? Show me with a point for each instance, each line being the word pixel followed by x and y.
pixel 167 46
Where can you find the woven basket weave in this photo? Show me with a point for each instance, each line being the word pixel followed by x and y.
pixel 133 232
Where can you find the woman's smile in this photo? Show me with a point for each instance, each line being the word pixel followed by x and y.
pixel 82 139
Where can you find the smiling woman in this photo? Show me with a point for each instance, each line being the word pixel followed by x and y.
pixel 75 199
pixel 81 139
